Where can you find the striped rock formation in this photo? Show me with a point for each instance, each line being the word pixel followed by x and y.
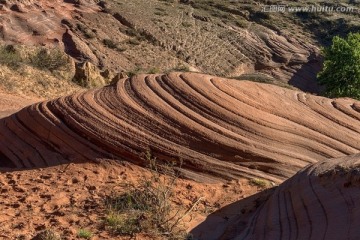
pixel 322 201
pixel 220 128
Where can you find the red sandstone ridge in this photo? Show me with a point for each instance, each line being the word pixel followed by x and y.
pixel 220 128
pixel 319 202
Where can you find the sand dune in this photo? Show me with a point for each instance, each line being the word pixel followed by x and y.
pixel 219 128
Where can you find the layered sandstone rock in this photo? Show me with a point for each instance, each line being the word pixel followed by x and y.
pixel 319 202
pixel 220 128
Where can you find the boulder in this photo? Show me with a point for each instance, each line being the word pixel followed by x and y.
pixel 88 75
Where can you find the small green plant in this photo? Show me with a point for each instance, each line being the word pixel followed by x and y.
pixel 124 224
pixel 153 70
pixel 259 182
pixel 83 233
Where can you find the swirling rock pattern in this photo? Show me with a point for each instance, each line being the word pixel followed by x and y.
pixel 220 128
pixel 319 202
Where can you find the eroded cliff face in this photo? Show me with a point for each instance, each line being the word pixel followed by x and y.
pixel 122 36
pixel 37 22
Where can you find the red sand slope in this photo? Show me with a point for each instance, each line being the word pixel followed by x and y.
pixel 10 104
pixel 220 128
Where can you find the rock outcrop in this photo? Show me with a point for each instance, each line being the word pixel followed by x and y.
pixel 88 75
pixel 220 128
pixel 319 202
pixel 38 22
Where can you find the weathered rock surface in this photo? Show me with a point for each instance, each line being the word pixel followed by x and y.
pixel 319 202
pixel 220 128
pixel 40 22
pixel 80 27
pixel 88 75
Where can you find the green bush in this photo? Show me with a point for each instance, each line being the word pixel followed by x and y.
pixel 49 59
pixel 262 183
pixel 10 56
pixel 83 233
pixel 341 72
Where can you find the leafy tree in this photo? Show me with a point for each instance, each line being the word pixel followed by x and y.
pixel 341 72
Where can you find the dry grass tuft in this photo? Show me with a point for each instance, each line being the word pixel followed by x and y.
pixel 146 208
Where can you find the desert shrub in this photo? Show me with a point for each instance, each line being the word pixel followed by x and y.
pixel 259 182
pixel 153 70
pixel 341 71
pixel 262 78
pixel 10 56
pixel 179 68
pixel 259 16
pixel 256 77
pixel 49 59
pixel 186 24
pixel 83 233
pixel 135 71
pixel 131 32
pixel 146 207
pixel 160 13
pixel 88 33
pixel 241 23
pixel 47 235
pixel 134 41
pixel 138 35
pixel 307 15
pixel 121 48
pixel 160 9
pixel 110 43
